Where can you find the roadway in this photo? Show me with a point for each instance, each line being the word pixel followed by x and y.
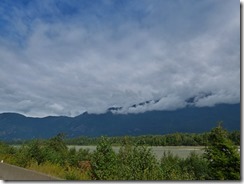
pixel 14 173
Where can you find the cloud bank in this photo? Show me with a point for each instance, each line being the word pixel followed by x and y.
pixel 68 57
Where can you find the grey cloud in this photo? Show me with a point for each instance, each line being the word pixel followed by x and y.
pixel 65 68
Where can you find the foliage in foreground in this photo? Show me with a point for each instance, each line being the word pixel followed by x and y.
pixel 223 156
pixel 221 160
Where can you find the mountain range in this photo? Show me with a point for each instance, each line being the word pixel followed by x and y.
pixel 190 119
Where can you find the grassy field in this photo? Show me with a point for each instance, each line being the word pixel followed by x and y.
pixel 181 151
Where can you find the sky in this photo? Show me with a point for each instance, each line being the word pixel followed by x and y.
pixel 60 57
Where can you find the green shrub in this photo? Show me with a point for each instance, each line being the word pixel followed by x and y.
pixel 196 165
pixel 104 162
pixel 171 168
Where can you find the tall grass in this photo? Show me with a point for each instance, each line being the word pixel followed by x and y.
pixel 67 172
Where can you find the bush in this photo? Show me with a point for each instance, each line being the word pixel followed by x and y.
pixel 137 163
pixel 196 165
pixel 173 169
pixel 104 162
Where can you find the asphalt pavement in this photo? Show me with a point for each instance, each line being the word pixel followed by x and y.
pixel 14 173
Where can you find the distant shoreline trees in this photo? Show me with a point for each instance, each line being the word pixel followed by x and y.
pixel 175 139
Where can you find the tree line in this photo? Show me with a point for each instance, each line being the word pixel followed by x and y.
pixel 175 139
pixel 134 161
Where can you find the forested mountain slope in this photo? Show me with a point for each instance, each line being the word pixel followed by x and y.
pixel 190 119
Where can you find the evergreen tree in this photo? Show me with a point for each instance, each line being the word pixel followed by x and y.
pixel 222 155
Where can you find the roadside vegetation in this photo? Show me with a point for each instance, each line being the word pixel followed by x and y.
pixel 134 161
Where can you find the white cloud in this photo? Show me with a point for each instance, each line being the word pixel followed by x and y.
pixel 66 67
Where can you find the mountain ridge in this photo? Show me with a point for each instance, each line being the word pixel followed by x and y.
pixel 16 126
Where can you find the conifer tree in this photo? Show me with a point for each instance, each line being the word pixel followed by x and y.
pixel 222 155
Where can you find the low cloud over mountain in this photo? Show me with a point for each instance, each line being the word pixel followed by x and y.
pixel 68 57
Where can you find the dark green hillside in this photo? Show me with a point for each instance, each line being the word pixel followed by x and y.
pixel 190 120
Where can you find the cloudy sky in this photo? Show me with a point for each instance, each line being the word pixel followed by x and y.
pixel 65 57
